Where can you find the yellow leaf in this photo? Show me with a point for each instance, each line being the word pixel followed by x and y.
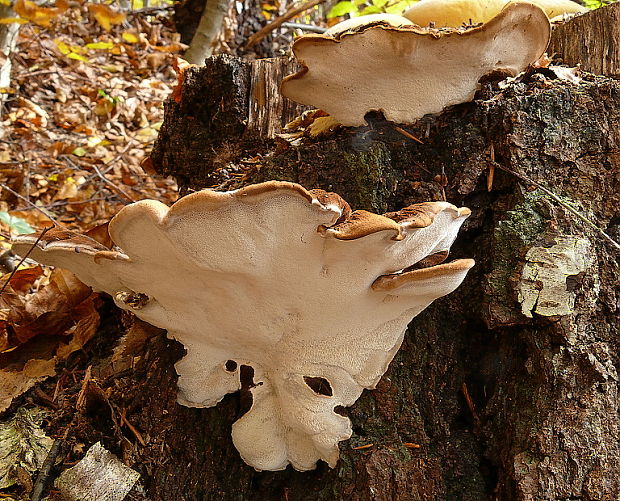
pixel 130 37
pixel 78 57
pixel 100 45
pixel 5 2
pixel 11 20
pixel 105 16
pixel 78 49
pixel 62 47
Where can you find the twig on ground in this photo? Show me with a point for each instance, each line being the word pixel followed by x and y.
pixel 132 428
pixel 289 14
pixel 30 204
pixel 407 134
pixel 562 203
pixel 44 474
pixel 8 280
pixel 118 189
pixel 102 176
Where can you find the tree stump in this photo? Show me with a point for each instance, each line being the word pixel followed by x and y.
pixel 591 41
pixel 507 388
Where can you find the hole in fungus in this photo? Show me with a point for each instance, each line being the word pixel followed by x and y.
pixel 246 378
pixel 231 365
pixel 319 385
pixel 339 409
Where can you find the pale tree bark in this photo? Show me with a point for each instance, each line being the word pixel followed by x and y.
pixel 8 40
pixel 208 30
pixel 591 41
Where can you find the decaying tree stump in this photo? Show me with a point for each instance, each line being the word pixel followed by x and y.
pixel 506 389
pixel 592 41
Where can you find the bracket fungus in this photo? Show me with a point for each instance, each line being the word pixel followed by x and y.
pixel 406 71
pixel 455 13
pixel 313 297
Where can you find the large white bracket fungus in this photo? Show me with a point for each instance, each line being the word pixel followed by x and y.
pixel 454 13
pixel 406 71
pixel 313 297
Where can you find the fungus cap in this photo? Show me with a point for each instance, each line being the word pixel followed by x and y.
pixel 455 13
pixel 407 72
pixel 363 21
pixel 313 297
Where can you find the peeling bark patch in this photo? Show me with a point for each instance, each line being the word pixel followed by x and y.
pixel 551 275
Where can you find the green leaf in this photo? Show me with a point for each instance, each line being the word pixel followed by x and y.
pixel 399 7
pixel 79 152
pixel 16 224
pixel 341 8
pixel 379 3
pixel 371 10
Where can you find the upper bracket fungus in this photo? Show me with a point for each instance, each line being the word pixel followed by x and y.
pixel 455 13
pixel 406 71
pixel 313 297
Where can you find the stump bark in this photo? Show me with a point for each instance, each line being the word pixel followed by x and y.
pixel 506 389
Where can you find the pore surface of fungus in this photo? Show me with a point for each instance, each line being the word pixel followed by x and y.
pixel 313 297
pixel 407 71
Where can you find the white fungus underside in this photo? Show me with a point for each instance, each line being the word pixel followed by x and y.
pixel 257 284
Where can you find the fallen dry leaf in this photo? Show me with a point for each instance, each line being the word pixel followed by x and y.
pixel 23 368
pixel 39 15
pixel 106 16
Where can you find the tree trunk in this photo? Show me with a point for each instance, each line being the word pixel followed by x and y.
pixel 8 40
pixel 208 30
pixel 506 389
pixel 242 21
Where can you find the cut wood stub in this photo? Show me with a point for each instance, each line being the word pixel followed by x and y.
pixel 226 107
pixel 269 110
pixel 591 41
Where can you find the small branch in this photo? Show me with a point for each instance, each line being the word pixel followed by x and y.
pixel 562 203
pixel 407 134
pixel 289 14
pixel 304 27
pixel 43 476
pixel 470 405
pixel 132 428
pixel 118 189
pixel 102 176
pixel 30 204
pixel 149 10
pixel 8 280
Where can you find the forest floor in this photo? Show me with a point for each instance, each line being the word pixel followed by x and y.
pixel 81 115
